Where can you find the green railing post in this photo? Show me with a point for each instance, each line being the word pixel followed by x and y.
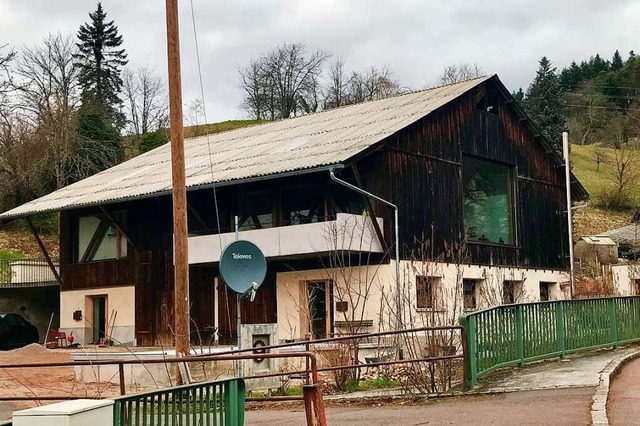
pixel 560 333
pixel 231 403
pixel 613 321
pixel 519 335
pixel 469 324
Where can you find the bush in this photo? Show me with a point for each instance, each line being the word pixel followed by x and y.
pixel 612 199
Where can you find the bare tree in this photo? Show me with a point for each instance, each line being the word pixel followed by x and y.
pixel 48 91
pixel 283 83
pixel 19 167
pixel 5 60
pixel 460 72
pixel 336 91
pixel 145 103
pixel 254 84
pixel 371 85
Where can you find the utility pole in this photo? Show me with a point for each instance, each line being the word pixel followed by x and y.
pixel 180 254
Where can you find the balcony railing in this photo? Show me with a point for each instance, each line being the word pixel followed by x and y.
pixel 26 273
pixel 347 233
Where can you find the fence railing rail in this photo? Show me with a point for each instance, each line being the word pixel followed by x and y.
pixel 515 334
pixel 218 402
pixel 26 273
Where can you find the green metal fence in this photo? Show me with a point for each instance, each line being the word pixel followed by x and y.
pixel 219 403
pixel 514 334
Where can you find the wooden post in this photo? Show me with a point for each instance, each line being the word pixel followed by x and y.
pixel 44 251
pixel 180 255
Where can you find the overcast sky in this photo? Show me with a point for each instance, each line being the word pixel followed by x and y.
pixel 415 38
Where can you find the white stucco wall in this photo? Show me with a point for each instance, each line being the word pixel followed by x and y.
pixel 624 279
pixel 119 299
pixel 381 302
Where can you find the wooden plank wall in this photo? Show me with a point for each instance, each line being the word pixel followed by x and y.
pixel 421 171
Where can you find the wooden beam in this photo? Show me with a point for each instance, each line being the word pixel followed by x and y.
pixel 197 216
pixel 179 190
pixel 369 207
pixel 118 225
pixel 96 239
pixel 44 251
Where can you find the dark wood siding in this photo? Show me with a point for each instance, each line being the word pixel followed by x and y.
pixel 420 170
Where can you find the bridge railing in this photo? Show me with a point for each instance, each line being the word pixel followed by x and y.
pixel 210 403
pixel 515 334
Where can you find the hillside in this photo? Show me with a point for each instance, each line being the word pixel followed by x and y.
pixel 595 219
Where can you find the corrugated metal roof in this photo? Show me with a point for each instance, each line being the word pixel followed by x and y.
pixel 321 139
pixel 599 240
pixel 626 236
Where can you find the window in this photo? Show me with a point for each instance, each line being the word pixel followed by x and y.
pixel 636 283
pixel 426 288
pixel 99 239
pixel 488 201
pixel 511 292
pixel 545 291
pixel 469 294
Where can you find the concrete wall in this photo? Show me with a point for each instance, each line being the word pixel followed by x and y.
pixel 379 285
pixel 347 232
pixel 35 304
pixel 625 277
pixel 119 299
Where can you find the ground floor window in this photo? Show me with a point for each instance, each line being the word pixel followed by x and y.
pixel 426 292
pixel 469 288
pixel 511 292
pixel 545 291
pixel 319 316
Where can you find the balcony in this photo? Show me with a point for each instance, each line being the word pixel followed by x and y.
pixel 347 233
pixel 26 273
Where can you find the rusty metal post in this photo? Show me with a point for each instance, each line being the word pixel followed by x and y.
pixel 314 405
pixel 121 374
pixel 306 360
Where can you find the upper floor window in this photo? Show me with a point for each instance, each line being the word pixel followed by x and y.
pixel 488 201
pixel 99 239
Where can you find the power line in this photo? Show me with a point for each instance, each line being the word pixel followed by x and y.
pixel 208 136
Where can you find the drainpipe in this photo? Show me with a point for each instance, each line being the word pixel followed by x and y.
pixel 565 150
pixel 399 325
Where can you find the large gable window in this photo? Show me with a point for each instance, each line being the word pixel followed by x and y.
pixel 488 201
pixel 99 239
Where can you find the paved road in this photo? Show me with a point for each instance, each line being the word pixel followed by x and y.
pixel 546 407
pixel 623 406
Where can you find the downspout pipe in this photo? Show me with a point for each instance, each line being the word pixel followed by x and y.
pixel 397 232
pixel 565 151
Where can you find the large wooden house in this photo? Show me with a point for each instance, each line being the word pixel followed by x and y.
pixel 463 164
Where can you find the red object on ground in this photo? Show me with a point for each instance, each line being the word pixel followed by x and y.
pixel 70 338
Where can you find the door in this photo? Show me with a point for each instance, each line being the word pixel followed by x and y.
pixel 320 294
pixel 99 318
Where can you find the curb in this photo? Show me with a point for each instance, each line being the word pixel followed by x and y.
pixel 599 399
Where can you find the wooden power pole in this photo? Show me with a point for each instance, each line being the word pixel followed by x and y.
pixel 180 254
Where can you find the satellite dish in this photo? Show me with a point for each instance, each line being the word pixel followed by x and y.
pixel 242 266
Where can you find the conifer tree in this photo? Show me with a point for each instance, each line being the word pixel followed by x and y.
pixel 616 61
pixel 543 102
pixel 100 59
